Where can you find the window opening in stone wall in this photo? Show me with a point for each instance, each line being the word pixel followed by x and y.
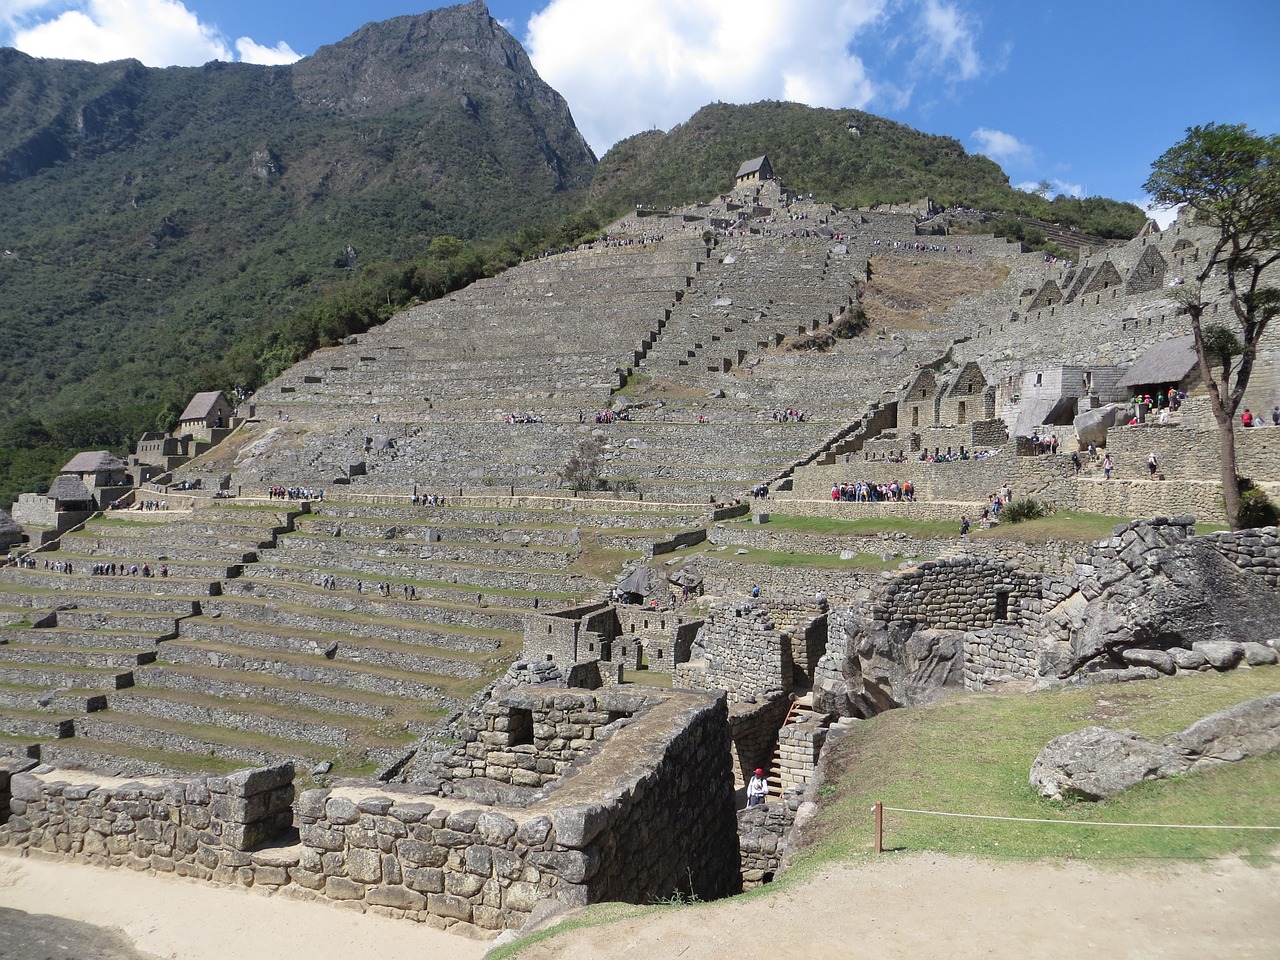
pixel 1039 379
pixel 1002 605
pixel 960 413
pixel 519 727
pixel 915 416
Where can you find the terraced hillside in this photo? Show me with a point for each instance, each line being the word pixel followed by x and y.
pixel 328 633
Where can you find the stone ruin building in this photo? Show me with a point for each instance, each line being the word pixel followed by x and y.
pixel 363 630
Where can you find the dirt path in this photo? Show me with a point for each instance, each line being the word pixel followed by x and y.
pixel 924 906
pixel 917 907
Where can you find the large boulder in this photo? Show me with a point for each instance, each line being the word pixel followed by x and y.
pixel 1092 425
pixel 1164 596
pixel 1096 763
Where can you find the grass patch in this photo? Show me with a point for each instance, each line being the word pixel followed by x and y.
pixel 1071 525
pixel 972 754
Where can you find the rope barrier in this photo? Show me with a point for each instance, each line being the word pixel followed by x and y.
pixel 1078 823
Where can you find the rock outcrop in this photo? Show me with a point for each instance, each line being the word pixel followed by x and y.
pixel 1096 763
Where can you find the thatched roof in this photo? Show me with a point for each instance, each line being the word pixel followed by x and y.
pixel 68 489
pixel 1167 362
pixel 202 405
pixel 93 461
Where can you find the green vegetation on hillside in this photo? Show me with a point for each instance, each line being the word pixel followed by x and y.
pixel 814 150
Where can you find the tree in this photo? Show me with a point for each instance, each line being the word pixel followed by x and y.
pixel 1229 177
pixel 582 471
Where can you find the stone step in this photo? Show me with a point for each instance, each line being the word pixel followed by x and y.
pixel 35 725
pixel 277 614
pixel 294 723
pixel 171 736
pixel 178 583
pixel 271 690
pixel 74 657
pixel 332 676
pixel 133 640
pixel 53 677
pixel 481 614
pixel 469 579
pixel 253 638
pixel 159 625
pixel 20 697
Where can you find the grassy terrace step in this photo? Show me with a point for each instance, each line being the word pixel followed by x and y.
pixel 129 760
pixel 122 660
pixel 399 572
pixel 552 508
pixel 104 601
pixel 35 724
pixel 287 693
pixel 135 640
pixel 428 613
pixel 173 736
pixel 55 677
pixel 492 554
pixel 66 702
pixel 460 641
pixel 175 548
pixel 307 668
pixel 180 582
pixel 293 723
pixel 250 638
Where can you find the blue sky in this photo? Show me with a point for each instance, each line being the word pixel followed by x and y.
pixel 1083 95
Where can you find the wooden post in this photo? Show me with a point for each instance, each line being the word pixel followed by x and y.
pixel 878 810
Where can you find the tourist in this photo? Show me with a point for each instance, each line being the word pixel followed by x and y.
pixel 1075 460
pixel 1246 418
pixel 1107 465
pixel 1152 465
pixel 964 526
pixel 757 789
pixel 1275 416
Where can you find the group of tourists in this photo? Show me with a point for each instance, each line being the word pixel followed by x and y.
pixel 607 416
pixel 864 491
pixel 427 500
pixel 329 582
pixel 152 505
pixel 125 570
pixel 955 456
pixel 294 493
pixel 918 246
pixel 1041 445
pixel 529 417
pixel 788 416
pixel 1247 419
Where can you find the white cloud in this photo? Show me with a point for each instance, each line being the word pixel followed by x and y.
pixel 636 66
pixel 251 52
pixel 1163 216
pixel 160 33
pixel 950 40
pixel 1000 146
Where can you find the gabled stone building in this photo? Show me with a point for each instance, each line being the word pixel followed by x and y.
pixel 754 171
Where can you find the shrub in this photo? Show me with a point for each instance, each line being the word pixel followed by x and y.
pixel 1028 508
pixel 1257 510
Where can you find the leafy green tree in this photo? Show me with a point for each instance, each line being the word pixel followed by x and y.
pixel 1229 177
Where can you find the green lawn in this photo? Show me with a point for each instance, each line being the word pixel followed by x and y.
pixel 972 755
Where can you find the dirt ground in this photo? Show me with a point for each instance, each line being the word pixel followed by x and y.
pixel 916 906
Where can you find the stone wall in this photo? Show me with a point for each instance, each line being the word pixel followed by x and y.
pixel 745 656
pixel 203 827
pixel 654 820
pixel 958 593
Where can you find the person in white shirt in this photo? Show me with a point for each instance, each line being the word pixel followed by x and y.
pixel 757 789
